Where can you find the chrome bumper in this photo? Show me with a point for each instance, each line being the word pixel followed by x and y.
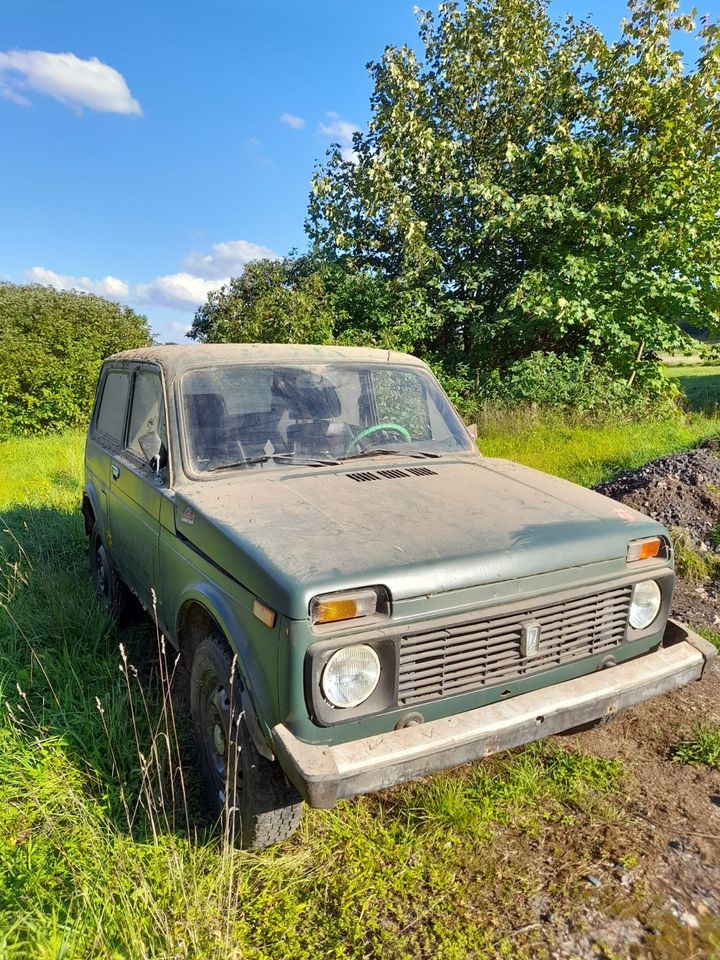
pixel 325 774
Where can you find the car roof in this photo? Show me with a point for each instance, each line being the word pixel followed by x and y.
pixel 177 358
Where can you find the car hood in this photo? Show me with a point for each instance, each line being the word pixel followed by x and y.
pixel 418 527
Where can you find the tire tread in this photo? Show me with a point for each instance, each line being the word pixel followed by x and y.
pixel 275 809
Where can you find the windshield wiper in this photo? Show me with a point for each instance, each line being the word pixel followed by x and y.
pixel 289 457
pixel 388 451
pixel 305 461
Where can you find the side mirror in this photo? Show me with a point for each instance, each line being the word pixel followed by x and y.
pixel 153 450
pixel 472 429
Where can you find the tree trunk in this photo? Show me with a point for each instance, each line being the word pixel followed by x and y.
pixel 638 358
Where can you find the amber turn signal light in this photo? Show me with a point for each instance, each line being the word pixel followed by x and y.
pixel 336 608
pixel 264 614
pixel 653 547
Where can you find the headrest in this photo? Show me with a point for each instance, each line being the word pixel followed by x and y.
pixel 309 397
pixel 205 408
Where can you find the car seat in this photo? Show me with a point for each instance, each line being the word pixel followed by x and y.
pixel 208 430
pixel 317 432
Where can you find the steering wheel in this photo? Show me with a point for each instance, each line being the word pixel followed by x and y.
pixel 376 428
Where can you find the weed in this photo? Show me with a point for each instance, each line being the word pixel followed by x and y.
pixel 690 564
pixel 703 747
pixel 712 636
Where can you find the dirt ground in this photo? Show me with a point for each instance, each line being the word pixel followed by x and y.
pixel 653 889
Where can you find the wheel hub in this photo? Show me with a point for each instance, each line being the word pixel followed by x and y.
pixel 219 739
pixel 101 577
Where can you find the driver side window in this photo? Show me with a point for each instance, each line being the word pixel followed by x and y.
pixel 147 414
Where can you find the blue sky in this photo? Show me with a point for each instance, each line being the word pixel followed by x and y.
pixel 154 174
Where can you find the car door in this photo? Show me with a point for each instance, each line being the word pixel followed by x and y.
pixel 105 439
pixel 137 488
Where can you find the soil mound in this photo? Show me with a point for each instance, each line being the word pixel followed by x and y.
pixel 682 491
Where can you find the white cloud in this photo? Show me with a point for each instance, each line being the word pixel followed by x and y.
pixel 105 287
pixel 75 82
pixel 297 123
pixel 183 291
pixel 7 92
pixel 226 259
pixel 201 274
pixel 341 131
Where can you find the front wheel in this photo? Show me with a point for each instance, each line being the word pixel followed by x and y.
pixel 257 804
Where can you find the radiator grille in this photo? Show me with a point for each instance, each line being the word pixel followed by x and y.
pixel 467 656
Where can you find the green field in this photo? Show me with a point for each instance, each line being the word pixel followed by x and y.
pixel 104 848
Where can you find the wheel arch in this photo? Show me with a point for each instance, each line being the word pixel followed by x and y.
pixel 90 508
pixel 88 513
pixel 194 622
pixel 199 616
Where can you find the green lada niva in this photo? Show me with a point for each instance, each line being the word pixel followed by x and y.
pixel 360 596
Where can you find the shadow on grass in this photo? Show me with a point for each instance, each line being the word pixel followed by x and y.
pixel 702 392
pixel 114 701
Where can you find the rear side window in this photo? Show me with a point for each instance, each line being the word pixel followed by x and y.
pixel 110 420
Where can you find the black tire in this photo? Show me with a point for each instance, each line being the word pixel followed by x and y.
pixel 112 593
pixel 250 795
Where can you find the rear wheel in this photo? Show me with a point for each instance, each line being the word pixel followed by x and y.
pixel 112 593
pixel 257 804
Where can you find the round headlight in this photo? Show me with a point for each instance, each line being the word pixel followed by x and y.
pixel 646 600
pixel 350 676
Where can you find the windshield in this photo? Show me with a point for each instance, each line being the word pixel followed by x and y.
pixel 252 416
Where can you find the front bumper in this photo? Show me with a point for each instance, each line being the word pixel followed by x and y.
pixel 325 774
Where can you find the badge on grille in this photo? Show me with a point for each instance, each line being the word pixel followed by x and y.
pixel 530 638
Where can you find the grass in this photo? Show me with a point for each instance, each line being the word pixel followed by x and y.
pixel 690 564
pixel 589 453
pixel 702 748
pixel 713 636
pixel 104 849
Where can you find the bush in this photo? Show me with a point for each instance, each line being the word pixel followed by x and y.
pixel 567 383
pixel 52 343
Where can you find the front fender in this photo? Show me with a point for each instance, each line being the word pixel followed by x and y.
pixel 256 648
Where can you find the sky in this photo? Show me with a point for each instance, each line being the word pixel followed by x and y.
pixel 148 150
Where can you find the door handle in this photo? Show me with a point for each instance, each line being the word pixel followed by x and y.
pixel 115 470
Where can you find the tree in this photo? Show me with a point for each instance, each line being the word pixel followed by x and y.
pixel 272 301
pixel 300 299
pixel 52 344
pixel 528 186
